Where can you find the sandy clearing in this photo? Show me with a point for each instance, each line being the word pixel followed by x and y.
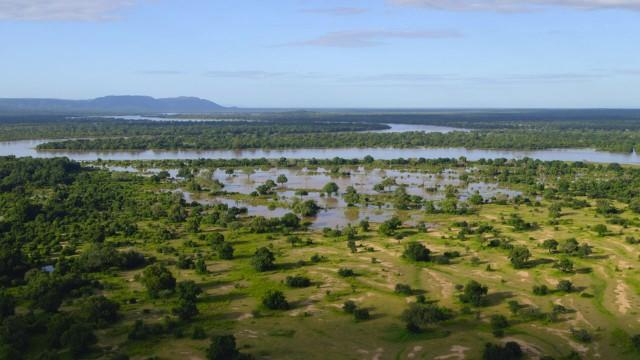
pixel 412 354
pixel 622 297
pixel 456 352
pixel 378 354
pixel 524 276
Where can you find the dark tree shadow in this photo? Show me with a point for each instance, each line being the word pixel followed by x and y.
pixel 498 297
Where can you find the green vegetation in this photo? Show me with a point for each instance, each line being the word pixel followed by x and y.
pixel 98 264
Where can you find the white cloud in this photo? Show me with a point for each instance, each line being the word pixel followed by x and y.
pixel 63 10
pixel 338 11
pixel 368 38
pixel 244 74
pixel 519 5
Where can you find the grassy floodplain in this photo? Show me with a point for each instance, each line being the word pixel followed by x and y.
pixel 92 217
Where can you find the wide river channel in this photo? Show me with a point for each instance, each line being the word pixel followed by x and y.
pixel 28 148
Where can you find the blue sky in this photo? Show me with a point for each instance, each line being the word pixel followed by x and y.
pixel 327 53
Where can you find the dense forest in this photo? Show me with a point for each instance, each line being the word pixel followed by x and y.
pixel 618 141
pixel 48 127
pixel 598 119
pixel 607 130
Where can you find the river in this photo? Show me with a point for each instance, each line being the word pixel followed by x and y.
pixel 27 148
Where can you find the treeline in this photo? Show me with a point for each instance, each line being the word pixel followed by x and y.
pixel 41 127
pixel 602 119
pixel 617 141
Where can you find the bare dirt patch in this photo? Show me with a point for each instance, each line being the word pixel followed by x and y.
pixel 456 352
pixel 622 297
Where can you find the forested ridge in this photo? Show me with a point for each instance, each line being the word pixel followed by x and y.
pixel 52 127
pixel 619 141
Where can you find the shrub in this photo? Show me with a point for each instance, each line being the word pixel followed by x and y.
pixel 157 278
pixel 263 259
pixel 540 290
pixel 474 293
pixel 419 316
pixel 222 347
pixel 100 311
pixel 298 281
pixel 416 252
pixel 403 289
pixel 565 286
pixel 361 314
pixel 275 300
pixel 345 272
pixel 349 306
pixel 581 335
pixel 510 351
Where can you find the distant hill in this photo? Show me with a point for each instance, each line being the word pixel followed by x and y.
pixel 112 105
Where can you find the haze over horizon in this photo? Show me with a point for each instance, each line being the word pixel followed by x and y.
pixel 327 54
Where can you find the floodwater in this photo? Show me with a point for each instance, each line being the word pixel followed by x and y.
pixel 397 128
pixel 27 148
pixel 335 212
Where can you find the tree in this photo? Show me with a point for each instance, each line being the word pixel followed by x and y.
pixel 78 338
pixel 43 289
pixel 555 210
pixel 331 188
pixel 188 290
pixel 634 205
pixel 565 286
pixel 605 207
pixel 361 314
pixel 290 220
pixel 551 245
pixel 282 179
pixel 306 208
pixel 390 226
pixel 186 309
pixel 540 290
pixel 498 324
pixel 635 341
pixel 570 246
pixel 415 251
pixel 403 289
pixel 157 278
pixel 474 293
pixel 351 244
pixel 275 300
pixel 349 306
pixel 519 256
pixel 510 351
pixel 601 229
pixel 100 311
pixel 419 316
pixel 351 196
pixel 364 225
pixel 226 252
pixel 201 266
pixel 222 347
pixel 565 265
pixel 193 224
pixel 298 281
pixel 215 239
pixel 7 305
pixel 263 259
pixel 476 199
pixel 346 272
